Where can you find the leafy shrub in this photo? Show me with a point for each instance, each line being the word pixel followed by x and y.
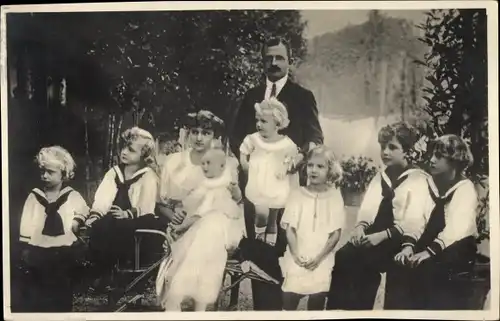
pixel 481 220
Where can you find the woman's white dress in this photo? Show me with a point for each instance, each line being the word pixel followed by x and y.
pixel 314 216
pixel 196 267
pixel 178 176
pixel 265 187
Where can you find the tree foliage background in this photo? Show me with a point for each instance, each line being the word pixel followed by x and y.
pixel 456 93
pixel 457 90
pixel 81 78
pixel 138 68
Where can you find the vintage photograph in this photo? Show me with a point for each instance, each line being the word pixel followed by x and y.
pixel 239 160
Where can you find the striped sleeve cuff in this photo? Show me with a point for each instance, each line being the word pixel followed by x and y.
pixel 394 231
pixel 409 240
pixel 132 213
pixel 24 239
pixel 95 215
pixel 436 247
pixel 80 218
pixel 363 224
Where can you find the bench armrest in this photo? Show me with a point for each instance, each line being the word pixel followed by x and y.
pixel 148 231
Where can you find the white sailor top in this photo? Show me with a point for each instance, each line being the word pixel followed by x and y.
pixel 454 217
pixel 141 190
pixel 48 224
pixel 406 201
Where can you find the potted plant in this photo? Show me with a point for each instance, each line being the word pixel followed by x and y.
pixel 358 172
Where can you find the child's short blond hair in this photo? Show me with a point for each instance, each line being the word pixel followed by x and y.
pixel 455 149
pixel 276 108
pixel 335 172
pixel 148 150
pixel 58 156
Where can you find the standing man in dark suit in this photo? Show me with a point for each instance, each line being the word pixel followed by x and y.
pixel 304 129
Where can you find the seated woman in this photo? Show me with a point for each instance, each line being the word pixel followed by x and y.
pixel 390 199
pixel 216 234
pixel 124 202
pixel 442 241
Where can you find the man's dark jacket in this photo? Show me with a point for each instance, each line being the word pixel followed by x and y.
pixel 302 111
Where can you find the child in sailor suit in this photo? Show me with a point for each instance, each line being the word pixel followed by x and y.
pixel 441 242
pixel 390 199
pixel 51 217
pixel 124 201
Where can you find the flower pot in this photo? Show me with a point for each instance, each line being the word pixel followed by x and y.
pixel 352 198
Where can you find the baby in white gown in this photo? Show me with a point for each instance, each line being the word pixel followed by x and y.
pixel 201 242
pixel 214 193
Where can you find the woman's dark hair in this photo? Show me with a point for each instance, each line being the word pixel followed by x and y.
pixel 207 120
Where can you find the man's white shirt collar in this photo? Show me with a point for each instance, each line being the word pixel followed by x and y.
pixel 279 86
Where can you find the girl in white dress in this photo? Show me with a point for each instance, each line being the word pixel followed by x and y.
pixel 269 159
pixel 209 239
pixel 313 219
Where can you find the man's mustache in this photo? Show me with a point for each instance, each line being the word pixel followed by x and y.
pixel 274 69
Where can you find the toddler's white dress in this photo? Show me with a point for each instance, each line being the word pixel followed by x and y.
pixel 267 161
pixel 314 216
pixel 196 266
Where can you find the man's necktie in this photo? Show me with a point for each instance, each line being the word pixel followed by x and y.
pixel 273 90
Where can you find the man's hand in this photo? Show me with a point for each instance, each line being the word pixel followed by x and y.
pixel 298 158
pixel 357 235
pixel 403 257
pixel 373 239
pixel 418 258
